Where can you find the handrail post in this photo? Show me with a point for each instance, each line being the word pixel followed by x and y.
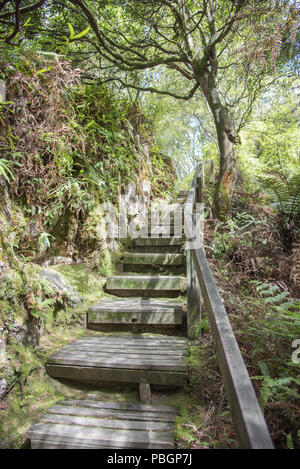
pixel 193 297
pixel 2 91
pixel 200 183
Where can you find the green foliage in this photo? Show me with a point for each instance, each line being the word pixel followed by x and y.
pixel 24 293
pixel 105 264
pixel 5 170
pixel 161 165
pixel 86 146
pixel 282 312
pixel 74 36
pixel 44 241
pixel 285 198
pixel 241 230
pixel 270 142
pixel 286 194
pixel 253 274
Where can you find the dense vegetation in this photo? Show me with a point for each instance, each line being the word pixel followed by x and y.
pixel 103 94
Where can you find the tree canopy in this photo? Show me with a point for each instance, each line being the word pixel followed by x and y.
pixel 225 51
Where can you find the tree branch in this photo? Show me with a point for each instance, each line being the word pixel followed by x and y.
pixel 152 89
pixel 23 10
pixel 17 23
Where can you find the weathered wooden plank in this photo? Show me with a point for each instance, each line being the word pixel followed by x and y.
pixel 107 355
pixel 150 350
pixel 103 375
pixel 145 282
pixel 112 413
pixel 135 318
pixel 134 338
pixel 153 408
pixel 118 363
pixel 136 345
pixel 49 444
pixel 175 231
pixel 193 298
pixel 2 91
pixel 136 305
pixel 145 392
pixel 161 248
pixel 107 422
pixel 124 345
pixel 158 241
pixel 153 258
pixel 123 356
pixel 146 292
pixel 123 439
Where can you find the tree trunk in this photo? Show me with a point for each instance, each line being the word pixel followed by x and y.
pixel 226 136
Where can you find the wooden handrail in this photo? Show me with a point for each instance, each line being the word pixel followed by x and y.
pixel 250 425
pixel 194 303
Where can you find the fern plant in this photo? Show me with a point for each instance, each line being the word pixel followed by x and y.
pixel 282 312
pixel 5 170
pixel 275 389
pixel 285 198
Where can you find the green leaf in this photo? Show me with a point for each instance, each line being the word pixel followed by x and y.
pixel 43 70
pixel 72 32
pixel 89 124
pixel 27 22
pixel 83 33
pixel 74 36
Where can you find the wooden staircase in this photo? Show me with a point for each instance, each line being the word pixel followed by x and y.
pixel 152 273
pixel 150 360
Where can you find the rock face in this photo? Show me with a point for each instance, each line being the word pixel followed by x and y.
pixel 3 387
pixel 62 285
pixel 19 332
pixel 58 260
pixel 2 352
pixel 34 330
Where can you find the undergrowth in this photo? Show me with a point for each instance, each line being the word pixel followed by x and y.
pixel 65 148
pixel 252 268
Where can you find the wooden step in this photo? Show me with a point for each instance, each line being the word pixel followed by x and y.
pixel 132 359
pixel 146 285
pixel 166 231
pixel 183 193
pixel 153 258
pixel 135 311
pixel 158 241
pixel 159 244
pixel 164 228
pixel 94 424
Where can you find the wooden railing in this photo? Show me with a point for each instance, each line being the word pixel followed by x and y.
pixel 250 426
